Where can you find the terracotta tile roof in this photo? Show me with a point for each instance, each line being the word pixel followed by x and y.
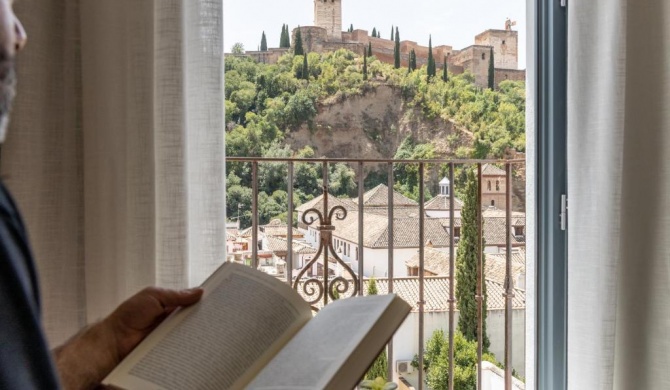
pixel 378 196
pixel 317 203
pixel 492 170
pixel 437 262
pixel 436 293
pixel 441 202
pixel 280 245
pixel 495 232
pixel 404 211
pixel 496 269
pixel 434 261
pixel 405 231
pixel 280 230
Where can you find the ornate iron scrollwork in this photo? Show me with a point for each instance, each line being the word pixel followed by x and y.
pixel 313 288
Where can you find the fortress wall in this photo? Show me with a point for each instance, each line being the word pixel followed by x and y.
pixel 505 47
pixel 501 75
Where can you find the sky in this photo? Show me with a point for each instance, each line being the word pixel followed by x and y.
pixel 451 22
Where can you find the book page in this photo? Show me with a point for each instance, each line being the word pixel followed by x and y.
pixel 243 319
pixel 334 350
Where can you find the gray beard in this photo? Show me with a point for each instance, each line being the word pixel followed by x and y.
pixel 4 123
pixel 7 92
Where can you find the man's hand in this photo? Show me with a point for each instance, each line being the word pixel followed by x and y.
pixel 89 356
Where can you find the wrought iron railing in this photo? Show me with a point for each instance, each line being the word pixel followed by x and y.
pixel 320 290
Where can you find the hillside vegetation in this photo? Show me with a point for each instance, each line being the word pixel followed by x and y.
pixel 333 108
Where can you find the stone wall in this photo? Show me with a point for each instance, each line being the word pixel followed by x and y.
pixel 509 74
pixel 505 47
pixel 271 56
pixel 328 15
pixel 474 59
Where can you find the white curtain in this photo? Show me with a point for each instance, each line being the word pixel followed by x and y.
pixel 619 188
pixel 116 149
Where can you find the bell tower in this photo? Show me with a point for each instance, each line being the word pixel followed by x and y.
pixel 328 15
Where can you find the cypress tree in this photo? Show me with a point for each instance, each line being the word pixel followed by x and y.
pixel 287 44
pixel 351 28
pixel 284 36
pixel 431 60
pixel 369 49
pixel 298 49
pixel 396 50
pixel 445 76
pixel 467 258
pixel 374 32
pixel 264 43
pixel 392 37
pixel 365 67
pixel 379 34
pixel 491 71
pixel 379 368
pixel 305 67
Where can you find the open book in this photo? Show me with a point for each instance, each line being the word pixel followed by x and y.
pixel 252 331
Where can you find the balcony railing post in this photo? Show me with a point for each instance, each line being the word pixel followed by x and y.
pixel 390 258
pixel 289 222
pixel 361 192
pixel 421 271
pixel 326 236
pixel 509 281
pixel 254 215
pixel 480 278
pixel 452 269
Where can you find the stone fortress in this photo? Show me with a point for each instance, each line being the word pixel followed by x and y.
pixel 326 35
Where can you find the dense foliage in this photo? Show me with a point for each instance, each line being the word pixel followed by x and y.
pixel 436 362
pixel 264 102
pixel 467 258
pixel 379 368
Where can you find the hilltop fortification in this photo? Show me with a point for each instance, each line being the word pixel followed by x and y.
pixel 327 35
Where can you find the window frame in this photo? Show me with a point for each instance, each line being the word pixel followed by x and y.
pixel 547 44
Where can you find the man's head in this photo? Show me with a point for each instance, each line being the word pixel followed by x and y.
pixel 12 40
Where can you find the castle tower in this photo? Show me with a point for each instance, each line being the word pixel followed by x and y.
pixel 505 47
pixel 494 185
pixel 328 14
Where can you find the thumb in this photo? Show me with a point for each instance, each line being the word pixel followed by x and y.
pixel 174 298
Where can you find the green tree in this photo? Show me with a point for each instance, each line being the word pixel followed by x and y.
pixel 445 75
pixel 342 180
pixel 379 368
pixel 285 39
pixel 369 49
pixel 238 48
pixel 467 258
pixel 465 362
pixel 264 42
pixel 374 32
pixel 396 50
pixel 431 60
pixel 351 28
pixel 298 49
pixel 281 36
pixel 365 67
pixel 305 67
pixel 492 71
pixel 392 33
pixel 412 61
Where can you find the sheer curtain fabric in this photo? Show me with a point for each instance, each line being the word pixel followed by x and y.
pixel 619 187
pixel 116 150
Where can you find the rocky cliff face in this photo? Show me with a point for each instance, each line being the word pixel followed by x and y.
pixel 373 126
